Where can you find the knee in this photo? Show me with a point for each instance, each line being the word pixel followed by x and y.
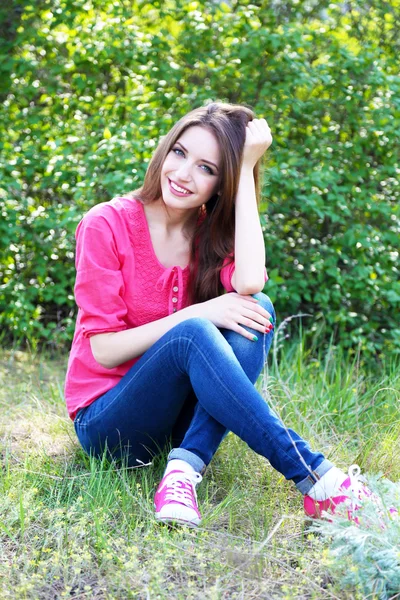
pixel 266 303
pixel 200 331
pixel 197 326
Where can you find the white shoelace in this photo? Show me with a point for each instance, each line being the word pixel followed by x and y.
pixel 358 481
pixel 358 488
pixel 181 488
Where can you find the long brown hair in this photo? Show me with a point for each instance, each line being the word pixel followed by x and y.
pixel 214 236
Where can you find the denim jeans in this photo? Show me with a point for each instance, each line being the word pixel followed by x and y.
pixel 195 383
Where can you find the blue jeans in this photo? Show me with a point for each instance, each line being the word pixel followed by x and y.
pixel 195 383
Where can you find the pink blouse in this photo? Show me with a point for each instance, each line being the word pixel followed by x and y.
pixel 120 284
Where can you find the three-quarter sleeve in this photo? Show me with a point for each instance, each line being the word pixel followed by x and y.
pixel 228 268
pixel 227 271
pixel 99 285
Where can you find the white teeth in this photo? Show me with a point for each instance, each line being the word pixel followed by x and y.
pixel 178 189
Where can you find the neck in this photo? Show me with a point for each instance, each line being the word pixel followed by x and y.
pixel 172 221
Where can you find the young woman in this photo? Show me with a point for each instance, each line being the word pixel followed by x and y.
pixel 160 352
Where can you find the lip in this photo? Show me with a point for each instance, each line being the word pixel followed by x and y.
pixel 181 194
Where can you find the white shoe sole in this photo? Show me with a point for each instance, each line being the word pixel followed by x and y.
pixel 172 520
pixel 177 517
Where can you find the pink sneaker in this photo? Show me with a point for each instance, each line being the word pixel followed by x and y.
pixel 354 491
pixel 176 499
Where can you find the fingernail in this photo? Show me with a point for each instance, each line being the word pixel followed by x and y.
pixel 255 338
pixel 271 320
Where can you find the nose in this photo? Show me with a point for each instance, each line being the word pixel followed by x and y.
pixel 184 171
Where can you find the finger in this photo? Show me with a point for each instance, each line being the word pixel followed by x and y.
pixel 250 132
pixel 263 312
pixel 255 318
pixel 264 129
pixel 247 334
pixel 257 321
pixel 260 309
pixel 260 131
pixel 258 124
pixel 254 128
pixel 261 125
pixel 253 301
pixel 256 326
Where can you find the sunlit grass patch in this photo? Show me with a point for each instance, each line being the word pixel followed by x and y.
pixel 73 526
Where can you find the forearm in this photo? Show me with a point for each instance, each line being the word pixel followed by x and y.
pixel 249 239
pixel 113 349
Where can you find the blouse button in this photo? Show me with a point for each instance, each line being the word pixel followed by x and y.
pixel 174 300
pixel 175 288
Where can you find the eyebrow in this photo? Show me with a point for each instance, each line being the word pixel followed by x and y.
pixel 202 159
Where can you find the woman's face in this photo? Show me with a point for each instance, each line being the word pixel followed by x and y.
pixel 190 173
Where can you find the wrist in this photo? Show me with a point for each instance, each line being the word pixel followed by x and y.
pixel 192 311
pixel 247 169
pixel 246 188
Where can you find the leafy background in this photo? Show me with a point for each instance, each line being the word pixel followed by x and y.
pixel 88 87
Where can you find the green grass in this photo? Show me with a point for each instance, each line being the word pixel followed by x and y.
pixel 72 527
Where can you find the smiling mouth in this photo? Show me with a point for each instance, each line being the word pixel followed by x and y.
pixel 177 188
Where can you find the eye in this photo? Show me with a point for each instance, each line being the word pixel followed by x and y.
pixel 176 150
pixel 180 152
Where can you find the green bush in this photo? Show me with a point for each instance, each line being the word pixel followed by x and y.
pixel 89 87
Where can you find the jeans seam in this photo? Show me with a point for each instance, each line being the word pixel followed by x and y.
pixel 264 433
pixel 142 366
pixel 79 417
pixel 233 397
